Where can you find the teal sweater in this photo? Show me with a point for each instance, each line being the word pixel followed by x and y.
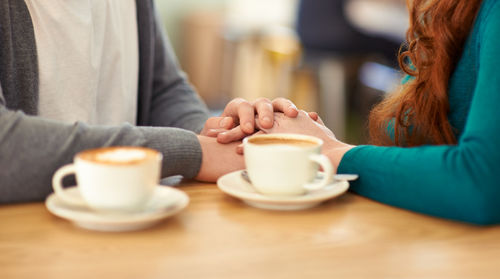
pixel 460 182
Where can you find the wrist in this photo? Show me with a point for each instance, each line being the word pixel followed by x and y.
pixel 217 159
pixel 336 151
pixel 203 174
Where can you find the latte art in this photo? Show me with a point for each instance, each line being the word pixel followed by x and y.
pixel 120 156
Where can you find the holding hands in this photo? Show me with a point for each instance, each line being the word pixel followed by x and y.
pixel 236 122
pixel 306 125
pixel 240 116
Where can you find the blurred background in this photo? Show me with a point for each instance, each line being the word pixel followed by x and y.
pixel 336 57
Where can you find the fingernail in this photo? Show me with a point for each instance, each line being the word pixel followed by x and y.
pixel 266 119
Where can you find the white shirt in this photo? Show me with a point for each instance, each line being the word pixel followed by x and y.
pixel 88 59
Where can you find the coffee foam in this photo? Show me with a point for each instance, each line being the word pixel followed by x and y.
pixel 118 155
pixel 121 155
pixel 282 141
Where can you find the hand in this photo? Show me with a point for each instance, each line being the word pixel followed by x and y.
pixel 304 124
pixel 238 119
pixel 218 159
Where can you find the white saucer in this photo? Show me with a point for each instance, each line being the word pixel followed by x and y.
pixel 166 202
pixel 234 185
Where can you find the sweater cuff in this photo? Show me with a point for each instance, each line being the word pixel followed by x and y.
pixel 347 163
pixel 180 148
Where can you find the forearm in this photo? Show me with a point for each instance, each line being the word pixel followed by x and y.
pixel 335 151
pixel 435 180
pixel 32 148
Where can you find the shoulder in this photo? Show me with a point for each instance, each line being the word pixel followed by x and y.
pixel 488 21
pixel 489 13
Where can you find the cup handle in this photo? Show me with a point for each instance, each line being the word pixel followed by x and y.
pixel 58 188
pixel 325 163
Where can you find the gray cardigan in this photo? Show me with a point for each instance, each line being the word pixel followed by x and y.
pixel 33 148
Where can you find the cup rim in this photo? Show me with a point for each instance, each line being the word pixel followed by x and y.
pixel 156 155
pixel 319 142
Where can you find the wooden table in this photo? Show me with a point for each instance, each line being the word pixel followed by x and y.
pixel 220 237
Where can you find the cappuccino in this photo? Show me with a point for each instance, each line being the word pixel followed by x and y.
pixel 285 164
pixel 113 179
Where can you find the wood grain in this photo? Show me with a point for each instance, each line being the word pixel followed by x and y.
pixel 220 237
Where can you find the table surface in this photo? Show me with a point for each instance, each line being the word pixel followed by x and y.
pixel 218 236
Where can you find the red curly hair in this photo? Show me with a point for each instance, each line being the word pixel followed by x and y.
pixel 419 110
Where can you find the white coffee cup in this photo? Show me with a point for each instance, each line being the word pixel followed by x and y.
pixel 112 179
pixel 285 164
